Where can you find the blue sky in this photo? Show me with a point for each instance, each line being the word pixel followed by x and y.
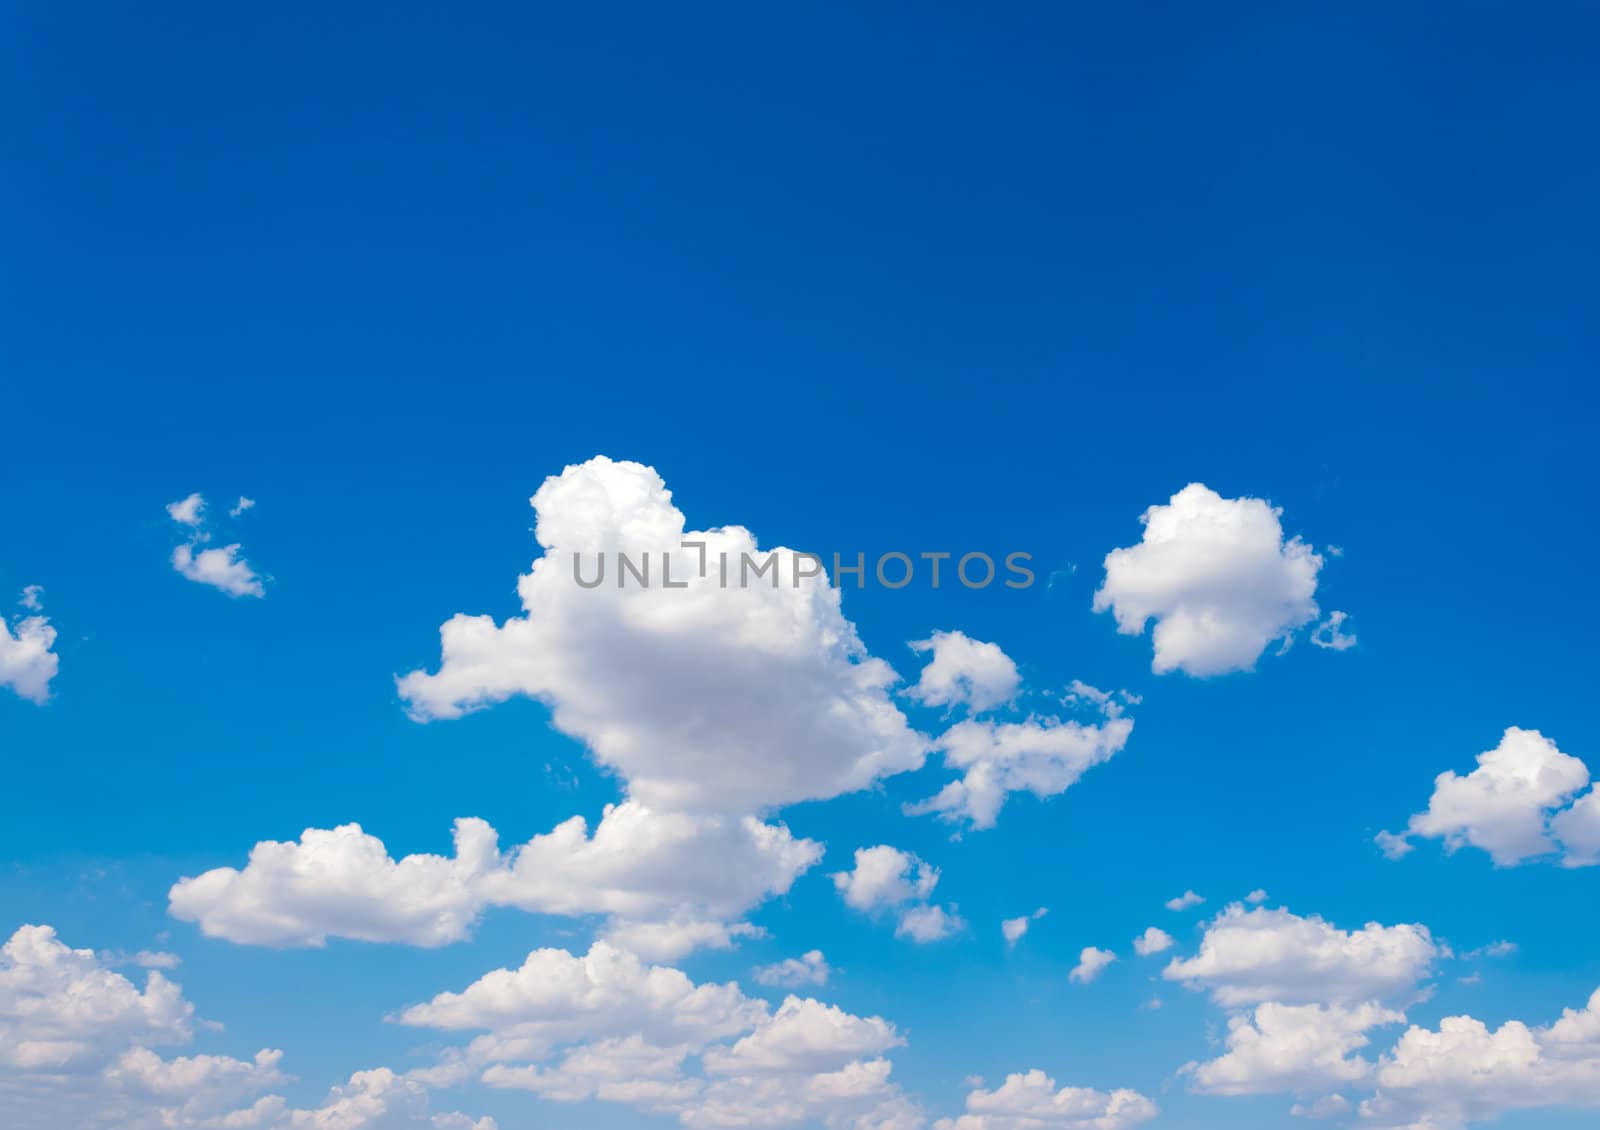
pixel 916 279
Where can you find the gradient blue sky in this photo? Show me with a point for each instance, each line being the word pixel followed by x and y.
pixel 925 277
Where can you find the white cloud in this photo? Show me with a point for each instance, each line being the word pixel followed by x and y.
pixel 1328 634
pixel 1184 901
pixel 1261 955
pixel 803 1036
pixel 701 698
pixel 1014 928
pixel 1109 703
pixel 965 671
pixel 1218 578
pixel 32 597
pixel 221 567
pixel 62 1011
pixel 1393 846
pixel 626 1070
pixel 241 506
pixel 1091 963
pixel 1513 806
pixel 1297 1048
pixel 1043 756
pixel 923 924
pixel 810 968
pixel 668 881
pixel 1030 1101
pixel 188 511
pixel 144 959
pixel 557 998
pixel 379 1099
pixel 76 1044
pixel 27 661
pixel 886 877
pixel 607 1026
pixel 1256 897
pixel 1153 940
pixel 1578 829
pixel 1464 1072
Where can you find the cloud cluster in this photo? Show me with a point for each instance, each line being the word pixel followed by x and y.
pixel 76 1049
pixel 885 877
pixel 1031 1101
pixel 1293 1048
pixel 607 1026
pixel 1251 956
pixel 1042 754
pixel 1302 996
pixel 1516 805
pixel 712 705
pixel 1465 1072
pixel 27 661
pixel 221 567
pixel 1218 578
pixel 668 882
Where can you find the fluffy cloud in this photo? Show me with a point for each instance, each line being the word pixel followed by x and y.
pixel 1218 578
pixel 607 1026
pixel 558 998
pixel 1030 1101
pixel 27 661
pixel 1304 996
pixel 188 511
pixel 809 968
pixel 378 1099
pixel 965 671
pixel 221 567
pixel 803 1036
pixel 76 1044
pixel 886 877
pixel 1514 806
pixel 1255 956
pixel 668 881
pixel 62 1011
pixel 627 1070
pixel 702 698
pixel 1043 756
pixel 1299 1048
pixel 1091 963
pixel 1464 1072
pixel 1153 940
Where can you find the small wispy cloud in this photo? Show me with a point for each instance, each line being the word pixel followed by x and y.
pixel 221 567
pixel 1185 901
